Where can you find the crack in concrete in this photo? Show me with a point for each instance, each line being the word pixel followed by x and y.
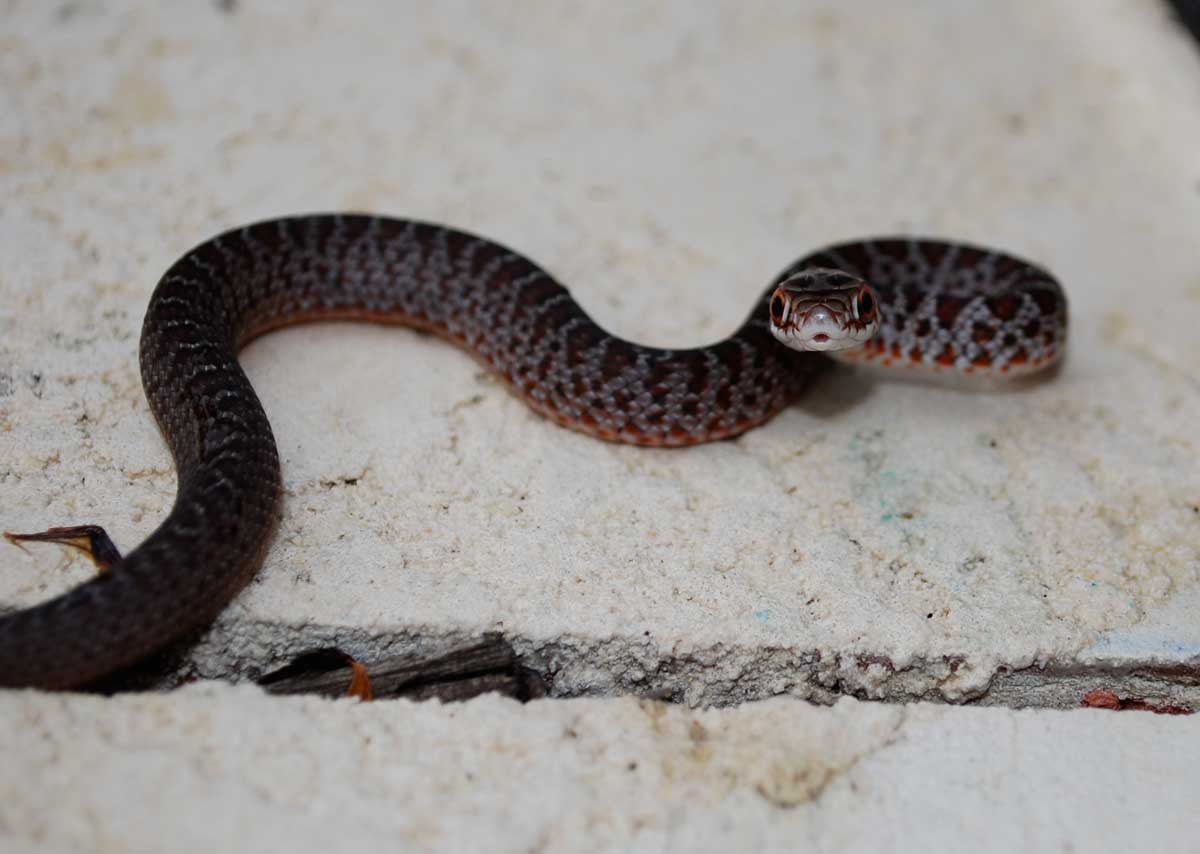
pixel 711 677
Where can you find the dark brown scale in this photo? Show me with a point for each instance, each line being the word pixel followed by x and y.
pixel 948 310
pixel 934 253
pixel 1005 308
pixel 969 256
pixel 471 291
pixel 912 297
pixel 1049 301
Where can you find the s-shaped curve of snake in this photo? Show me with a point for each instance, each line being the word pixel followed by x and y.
pixel 915 303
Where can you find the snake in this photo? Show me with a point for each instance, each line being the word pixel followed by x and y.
pixel 919 304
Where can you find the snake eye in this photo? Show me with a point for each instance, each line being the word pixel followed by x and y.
pixel 866 304
pixel 778 309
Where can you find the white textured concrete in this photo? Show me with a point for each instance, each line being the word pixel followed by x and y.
pixel 221 769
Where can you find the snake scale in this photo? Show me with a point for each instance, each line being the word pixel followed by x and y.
pixel 904 302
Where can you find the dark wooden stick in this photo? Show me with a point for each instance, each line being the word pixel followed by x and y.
pixel 451 674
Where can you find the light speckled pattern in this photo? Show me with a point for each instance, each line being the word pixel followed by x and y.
pixel 504 309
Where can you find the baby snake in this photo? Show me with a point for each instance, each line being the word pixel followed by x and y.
pixel 930 304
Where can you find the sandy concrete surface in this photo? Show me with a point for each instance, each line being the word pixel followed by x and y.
pixel 885 539
pixel 222 768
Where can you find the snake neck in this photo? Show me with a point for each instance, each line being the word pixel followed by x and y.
pixel 950 308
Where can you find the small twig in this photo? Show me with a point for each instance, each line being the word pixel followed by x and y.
pixel 456 673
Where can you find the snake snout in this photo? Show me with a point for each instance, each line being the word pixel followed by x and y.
pixel 815 325
pixel 822 328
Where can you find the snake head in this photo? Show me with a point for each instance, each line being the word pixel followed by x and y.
pixel 823 309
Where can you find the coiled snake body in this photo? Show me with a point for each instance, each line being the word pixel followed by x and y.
pixel 935 305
